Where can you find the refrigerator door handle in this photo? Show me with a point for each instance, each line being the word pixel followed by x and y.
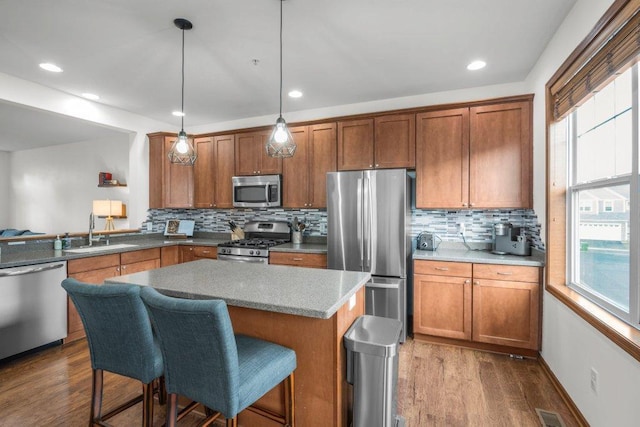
pixel 359 220
pixel 367 223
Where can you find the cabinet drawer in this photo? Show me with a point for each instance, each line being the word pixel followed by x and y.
pixel 205 252
pixel 298 259
pixel 443 268
pixel 93 263
pixel 516 273
pixel 136 267
pixel 141 255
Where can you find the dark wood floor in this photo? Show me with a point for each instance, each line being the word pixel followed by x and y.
pixel 438 386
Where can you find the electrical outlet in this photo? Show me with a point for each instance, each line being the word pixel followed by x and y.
pixel 594 380
pixel 149 226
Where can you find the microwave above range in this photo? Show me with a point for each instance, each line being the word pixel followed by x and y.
pixel 263 191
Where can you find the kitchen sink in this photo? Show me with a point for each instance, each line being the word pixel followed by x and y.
pixel 90 249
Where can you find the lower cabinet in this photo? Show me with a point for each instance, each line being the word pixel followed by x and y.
pixel 194 253
pixel 490 304
pixel 96 269
pixel 298 259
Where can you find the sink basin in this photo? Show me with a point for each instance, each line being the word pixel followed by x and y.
pixel 90 249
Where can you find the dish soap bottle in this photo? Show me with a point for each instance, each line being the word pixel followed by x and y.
pixel 57 244
pixel 66 242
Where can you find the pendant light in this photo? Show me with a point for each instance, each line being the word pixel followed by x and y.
pixel 280 143
pixel 182 151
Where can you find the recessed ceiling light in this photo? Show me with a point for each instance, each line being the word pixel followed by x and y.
pixel 50 67
pixel 476 65
pixel 178 113
pixel 295 94
pixel 91 96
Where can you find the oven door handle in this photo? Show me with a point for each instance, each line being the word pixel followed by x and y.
pixel 239 258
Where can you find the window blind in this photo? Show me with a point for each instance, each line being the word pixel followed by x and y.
pixel 599 63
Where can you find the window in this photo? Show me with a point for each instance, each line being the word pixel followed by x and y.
pixel 601 216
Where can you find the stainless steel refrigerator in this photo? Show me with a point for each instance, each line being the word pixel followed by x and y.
pixel 368 220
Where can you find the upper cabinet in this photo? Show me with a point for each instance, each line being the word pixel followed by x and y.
pixel 170 185
pixel 304 174
pixel 251 155
pixel 478 157
pixel 383 142
pixel 213 171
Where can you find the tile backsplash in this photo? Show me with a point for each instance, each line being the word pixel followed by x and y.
pixel 444 223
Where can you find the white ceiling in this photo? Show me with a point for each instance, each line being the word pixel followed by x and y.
pixel 336 51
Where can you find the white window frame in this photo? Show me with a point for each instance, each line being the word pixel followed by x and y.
pixel 573 212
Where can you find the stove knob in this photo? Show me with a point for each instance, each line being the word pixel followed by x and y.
pixel 257 252
pixel 250 252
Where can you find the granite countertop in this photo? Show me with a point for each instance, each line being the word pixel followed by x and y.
pixel 299 291
pixel 461 254
pixel 31 254
pixel 305 247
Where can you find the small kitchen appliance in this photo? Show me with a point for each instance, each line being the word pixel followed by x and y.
pixel 508 239
pixel 259 237
pixel 428 241
pixel 262 191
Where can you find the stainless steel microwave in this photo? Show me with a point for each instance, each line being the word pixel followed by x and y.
pixel 263 191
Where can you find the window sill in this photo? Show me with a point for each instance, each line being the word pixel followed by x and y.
pixel 624 336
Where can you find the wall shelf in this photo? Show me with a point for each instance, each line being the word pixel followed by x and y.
pixel 112 185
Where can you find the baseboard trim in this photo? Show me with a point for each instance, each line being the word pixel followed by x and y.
pixel 563 393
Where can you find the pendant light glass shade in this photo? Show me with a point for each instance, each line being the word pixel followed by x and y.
pixel 182 151
pixel 280 143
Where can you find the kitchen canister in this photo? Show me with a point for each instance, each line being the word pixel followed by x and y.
pixel 296 237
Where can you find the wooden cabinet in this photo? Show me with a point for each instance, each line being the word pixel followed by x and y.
pixel 251 156
pixel 476 157
pixel 506 305
pixel 99 268
pixel 442 295
pixel 142 260
pixel 383 142
pixel 169 255
pixel 213 171
pixel 304 174
pixel 170 185
pixel 298 259
pixel 88 270
pixel 194 253
pixel 492 304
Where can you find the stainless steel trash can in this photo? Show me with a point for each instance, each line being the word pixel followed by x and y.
pixel 372 368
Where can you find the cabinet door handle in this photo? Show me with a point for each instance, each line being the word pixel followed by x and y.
pixel 297 259
pixel 500 273
pixel 466 282
pixel 464 204
pixel 117 268
pixel 471 204
pixel 370 166
pixel 475 282
pixel 377 164
pixel 442 268
pixel 206 252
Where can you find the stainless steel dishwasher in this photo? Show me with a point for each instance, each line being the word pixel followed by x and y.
pixel 33 307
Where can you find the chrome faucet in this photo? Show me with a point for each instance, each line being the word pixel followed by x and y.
pixel 92 225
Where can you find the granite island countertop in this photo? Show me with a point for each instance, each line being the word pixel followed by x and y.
pixel 307 292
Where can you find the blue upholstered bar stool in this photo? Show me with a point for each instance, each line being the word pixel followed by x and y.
pixel 207 363
pixel 120 340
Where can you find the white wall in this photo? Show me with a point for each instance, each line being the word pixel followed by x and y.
pixel 570 346
pixel 53 187
pixel 5 201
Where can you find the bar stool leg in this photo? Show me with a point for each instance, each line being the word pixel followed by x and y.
pixel 96 398
pixel 289 401
pixel 232 422
pixel 147 404
pixel 172 410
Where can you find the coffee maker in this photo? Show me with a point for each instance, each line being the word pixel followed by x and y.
pixel 508 239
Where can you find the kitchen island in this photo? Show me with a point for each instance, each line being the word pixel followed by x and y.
pixel 307 310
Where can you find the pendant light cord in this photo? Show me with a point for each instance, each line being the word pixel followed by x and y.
pixel 182 106
pixel 281 58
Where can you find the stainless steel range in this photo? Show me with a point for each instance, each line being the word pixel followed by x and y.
pixel 259 237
